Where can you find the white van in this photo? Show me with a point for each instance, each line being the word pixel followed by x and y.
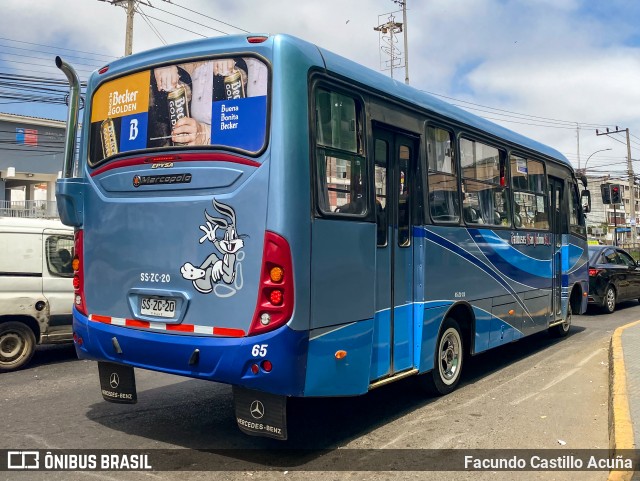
pixel 36 287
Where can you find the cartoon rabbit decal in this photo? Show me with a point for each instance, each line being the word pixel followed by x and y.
pixel 213 270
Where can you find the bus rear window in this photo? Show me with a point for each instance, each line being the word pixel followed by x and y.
pixel 218 102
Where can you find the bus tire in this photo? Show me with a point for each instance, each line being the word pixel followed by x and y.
pixel 449 355
pixel 561 330
pixel 17 345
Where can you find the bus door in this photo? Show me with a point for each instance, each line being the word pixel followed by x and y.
pixel 558 227
pixel 395 162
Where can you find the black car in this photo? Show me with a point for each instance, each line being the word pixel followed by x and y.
pixel 613 277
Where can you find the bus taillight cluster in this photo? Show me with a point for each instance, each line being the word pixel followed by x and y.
pixel 78 272
pixel 275 295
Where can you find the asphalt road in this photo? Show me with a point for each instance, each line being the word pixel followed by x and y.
pixel 538 393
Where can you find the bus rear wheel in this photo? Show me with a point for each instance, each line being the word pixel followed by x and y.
pixel 17 345
pixel 561 330
pixel 447 368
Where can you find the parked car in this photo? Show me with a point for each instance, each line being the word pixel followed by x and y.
pixel 36 287
pixel 613 277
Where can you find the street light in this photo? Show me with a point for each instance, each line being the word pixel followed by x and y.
pixel 584 170
pixel 585 164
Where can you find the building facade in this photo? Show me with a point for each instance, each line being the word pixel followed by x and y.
pixel 604 219
pixel 31 156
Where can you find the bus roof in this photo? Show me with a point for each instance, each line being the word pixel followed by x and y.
pixel 340 65
pixel 335 64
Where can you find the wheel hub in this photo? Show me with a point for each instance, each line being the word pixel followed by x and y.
pixel 449 358
pixel 10 345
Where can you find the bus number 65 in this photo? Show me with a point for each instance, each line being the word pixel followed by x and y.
pixel 259 350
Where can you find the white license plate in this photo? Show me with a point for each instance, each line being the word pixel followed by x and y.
pixel 158 307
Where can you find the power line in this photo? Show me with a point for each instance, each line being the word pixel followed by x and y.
pixel 189 20
pixel 16 88
pixel 525 116
pixel 206 16
pixel 151 26
pixel 177 26
pixel 44 66
pixel 47 53
pixel 58 48
pixel 21 55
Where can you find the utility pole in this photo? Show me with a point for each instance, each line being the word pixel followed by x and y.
pixel 403 4
pixel 578 135
pixel 632 184
pixel 632 190
pixel 131 10
pixel 128 43
pixel 391 28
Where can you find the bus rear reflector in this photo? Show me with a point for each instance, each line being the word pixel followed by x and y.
pixel 275 297
pixel 266 366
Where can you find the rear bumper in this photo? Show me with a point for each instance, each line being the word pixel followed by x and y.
pixel 222 359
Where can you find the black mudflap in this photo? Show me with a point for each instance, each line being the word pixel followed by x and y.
pixel 118 383
pixel 261 414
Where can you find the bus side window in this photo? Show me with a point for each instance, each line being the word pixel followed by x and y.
pixel 529 187
pixel 381 165
pixel 404 196
pixel 444 205
pixel 340 166
pixel 576 218
pixel 485 183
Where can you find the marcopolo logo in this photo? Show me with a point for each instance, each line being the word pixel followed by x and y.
pixel 139 180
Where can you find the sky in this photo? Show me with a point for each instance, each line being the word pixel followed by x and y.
pixel 553 70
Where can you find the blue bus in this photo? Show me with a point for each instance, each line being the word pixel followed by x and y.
pixel 258 211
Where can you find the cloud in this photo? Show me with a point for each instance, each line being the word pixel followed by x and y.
pixel 573 60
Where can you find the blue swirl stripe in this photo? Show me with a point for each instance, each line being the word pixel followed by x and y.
pixel 447 244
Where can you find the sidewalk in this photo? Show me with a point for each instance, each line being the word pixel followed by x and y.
pixel 624 394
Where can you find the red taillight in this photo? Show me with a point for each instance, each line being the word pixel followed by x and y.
pixel 276 297
pixel 78 272
pixel 257 39
pixel 103 69
pixel 162 158
pixel 275 294
pixel 594 272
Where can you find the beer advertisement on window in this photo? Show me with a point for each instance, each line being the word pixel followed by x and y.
pixel 218 102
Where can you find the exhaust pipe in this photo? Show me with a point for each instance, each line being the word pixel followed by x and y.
pixel 72 117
